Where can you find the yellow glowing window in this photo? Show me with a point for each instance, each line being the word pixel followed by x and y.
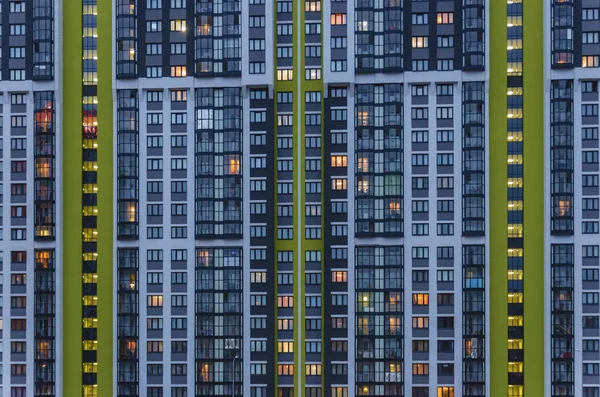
pixel 90 166
pixel 90 278
pixel 90 78
pixel 515 91
pixel 515 182
pixel 339 277
pixel 394 323
pixel 90 391
pixel 312 369
pixel 514 44
pixel 420 369
pixel 90 235
pixel 204 29
pixel 178 71
pixel 90 368
pixel 363 118
pixel 564 207
pixel 339 161
pixel 515 274
pixel 131 212
pixel 90 32
pixel 420 299
pixel 178 25
pixel 514 68
pixel 90 211
pixel 515 321
pixel 515 136
pixel 514 20
pixel 515 390
pixel 312 6
pixel 339 184
pixel 515 159
pixel 515 205
pixel 132 54
pixel 89 188
pixel 234 166
pixel 155 301
pixel 90 345
pixel 285 74
pixel 89 100
pixel 90 256
pixel 90 143
pixel 285 347
pixel 90 323
pixel 420 42
pixel 515 367
pixel 515 344
pixel 90 10
pixel 363 326
pixel 516 113
pixel 445 391
pixel 394 208
pixel 363 186
pixel 590 61
pixel 43 168
pixel 515 297
pixel 363 164
pixel 515 230
pixel 90 300
pixel 515 252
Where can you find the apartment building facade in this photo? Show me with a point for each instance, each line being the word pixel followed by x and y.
pixel 285 198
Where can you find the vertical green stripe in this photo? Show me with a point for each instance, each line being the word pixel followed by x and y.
pixel 498 313
pixel 533 193
pixel 106 210
pixel 71 196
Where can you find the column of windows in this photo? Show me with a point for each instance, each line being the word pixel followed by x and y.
pixel 515 232
pixel 90 200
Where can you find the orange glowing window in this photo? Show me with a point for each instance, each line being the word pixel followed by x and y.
pixel 564 207
pixel 363 164
pixel 234 166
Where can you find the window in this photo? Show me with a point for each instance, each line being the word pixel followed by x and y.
pixel 178 71
pixel 590 14
pixel 445 275
pixel 285 369
pixel 420 42
pixel 155 346
pixel 420 299
pixel 178 25
pixel 420 19
pixel 446 391
pixel 155 300
pixel 444 18
pixel 338 19
pixel 420 369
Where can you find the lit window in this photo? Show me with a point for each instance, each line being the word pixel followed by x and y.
pixel 363 164
pixel 338 19
pixel 445 18
pixel 420 42
pixel 420 369
pixel 312 6
pixel 420 299
pixel 339 277
pixel 178 25
pixel 178 71
pixel 445 391
pixel 590 61
pixel 234 166
pixel 339 184
pixel 285 74
pixel 339 161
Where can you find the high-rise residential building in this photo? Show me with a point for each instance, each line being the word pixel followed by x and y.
pixel 285 198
